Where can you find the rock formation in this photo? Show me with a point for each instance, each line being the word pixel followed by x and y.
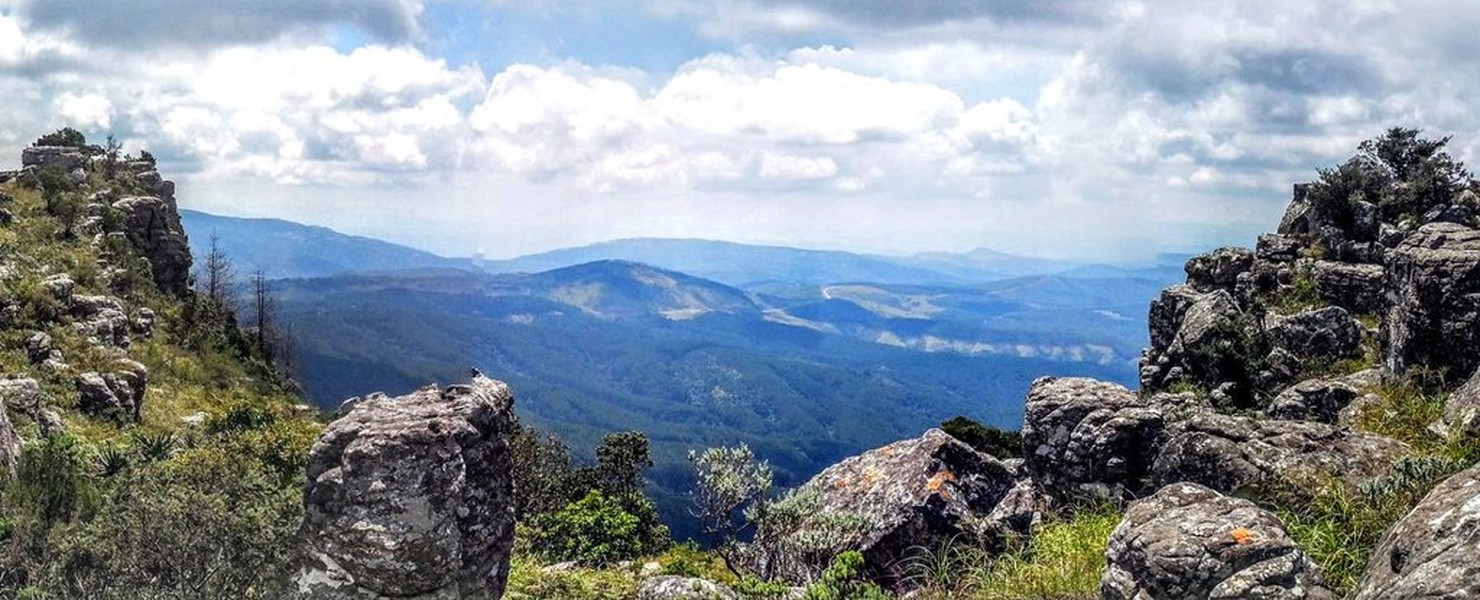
pixel 1434 552
pixel 1187 541
pixel 673 587
pixel 1233 454
pixel 1462 409
pixel 1087 439
pixel 411 497
pixel 917 492
pixel 153 225
pixel 1434 281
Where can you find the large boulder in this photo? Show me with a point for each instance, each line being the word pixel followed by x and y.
pixel 118 395
pixel 1234 454
pixel 914 493
pixel 412 496
pixel 674 587
pixel 1183 322
pixel 1088 440
pixel 1188 542
pixel 1433 279
pixel 64 158
pixel 153 225
pixel 102 320
pixel 1319 400
pixel 10 445
pixel 1434 552
pixel 1462 409
pixel 1353 286
pixel 1321 334
pixel 1219 269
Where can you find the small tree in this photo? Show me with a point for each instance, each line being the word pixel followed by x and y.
pixel 110 156
pixel 729 480
pixel 65 136
pixel 218 275
pixel 264 316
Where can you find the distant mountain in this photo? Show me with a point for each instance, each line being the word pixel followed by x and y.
pixel 984 264
pixel 287 249
pixel 731 263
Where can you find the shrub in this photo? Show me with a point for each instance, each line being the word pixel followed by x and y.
pixel 1064 560
pixel 996 442
pixel 729 480
pixel 594 530
pixel 843 580
pixel 795 536
pixel 65 136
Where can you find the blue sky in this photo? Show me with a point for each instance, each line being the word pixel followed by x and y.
pixel 1105 130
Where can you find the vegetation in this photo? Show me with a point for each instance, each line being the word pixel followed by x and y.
pixel 1401 173
pixel 991 440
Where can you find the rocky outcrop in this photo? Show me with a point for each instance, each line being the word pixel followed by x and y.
pixel 1086 440
pixel 1234 454
pixel 65 158
pixel 673 587
pixel 1433 278
pixel 1219 269
pixel 1355 287
pixel 1462 409
pixel 913 493
pixel 153 225
pixel 118 395
pixel 102 320
pixel 1322 334
pixel 1182 323
pixel 41 351
pixel 1189 542
pixel 1434 552
pixel 411 497
pixel 1320 400
pixel 10 445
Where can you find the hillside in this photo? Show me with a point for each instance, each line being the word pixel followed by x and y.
pixel 147 451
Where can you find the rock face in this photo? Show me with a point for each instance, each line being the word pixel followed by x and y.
pixel 1232 454
pixel 1433 278
pixel 118 395
pixel 1320 400
pixel 65 158
pixel 1354 287
pixel 1189 542
pixel 1088 439
pixel 10 445
pixel 412 497
pixel 1218 269
pixel 914 493
pixel 672 587
pixel 154 227
pixel 1462 409
pixel 1434 552
pixel 1321 334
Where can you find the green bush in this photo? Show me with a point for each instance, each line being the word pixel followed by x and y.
pixel 843 580
pixel 996 442
pixel 65 136
pixel 594 530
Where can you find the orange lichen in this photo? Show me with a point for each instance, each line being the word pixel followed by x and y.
pixel 938 481
pixel 871 476
pixel 1242 535
pixel 841 483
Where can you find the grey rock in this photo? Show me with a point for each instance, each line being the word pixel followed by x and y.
pixel 1462 408
pixel 65 158
pixel 1366 220
pixel 913 493
pixel 412 496
pixel 102 320
pixel 153 225
pixel 1449 213
pixel 1274 247
pixel 1219 269
pixel 22 394
pixel 1433 280
pixel 1088 439
pixel 1235 454
pixel 1432 552
pixel 118 395
pixel 40 347
pixel 1320 400
pixel 10 445
pixel 143 323
pixel 1355 287
pixel 673 587
pixel 59 286
pixel 1167 312
pixel 1299 216
pixel 1188 542
pixel 1321 334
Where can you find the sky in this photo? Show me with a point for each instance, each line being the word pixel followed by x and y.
pixel 1084 129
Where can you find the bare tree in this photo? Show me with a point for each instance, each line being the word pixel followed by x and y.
pixel 264 316
pixel 217 275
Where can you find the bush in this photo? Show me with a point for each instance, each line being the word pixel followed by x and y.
pixel 996 442
pixel 593 531
pixel 843 580
pixel 65 136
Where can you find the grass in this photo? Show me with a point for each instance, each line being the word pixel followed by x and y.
pixel 1063 561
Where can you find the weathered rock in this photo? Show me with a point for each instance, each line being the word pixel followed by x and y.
pixel 412 497
pixel 1233 454
pixel 10 445
pixel 1462 409
pixel 154 227
pixel 1187 542
pixel 1299 216
pixel 1274 247
pixel 673 587
pixel 1321 334
pixel 118 395
pixel 102 320
pixel 1088 439
pixel 59 286
pixel 1320 400
pixel 143 323
pixel 65 158
pixel 1434 552
pixel 22 394
pixel 912 493
pixel 1355 287
pixel 1167 312
pixel 1449 213
pixel 1433 280
pixel 1219 269
pixel 41 348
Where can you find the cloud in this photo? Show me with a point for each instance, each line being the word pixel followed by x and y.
pixel 139 24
